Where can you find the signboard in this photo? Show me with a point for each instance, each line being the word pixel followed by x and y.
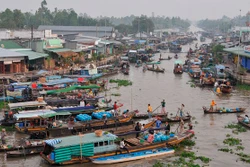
pixel 247 49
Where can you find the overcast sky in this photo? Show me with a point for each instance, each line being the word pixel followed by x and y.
pixel 190 9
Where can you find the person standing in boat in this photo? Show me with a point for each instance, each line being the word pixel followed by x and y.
pixel 181 110
pixel 163 107
pixel 3 135
pixel 181 126
pixel 150 110
pixel 115 108
pixel 167 128
pixel 137 128
pixel 212 105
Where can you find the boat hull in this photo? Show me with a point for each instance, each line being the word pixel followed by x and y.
pixel 234 110
pixel 133 156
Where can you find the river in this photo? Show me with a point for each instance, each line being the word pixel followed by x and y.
pixel 150 87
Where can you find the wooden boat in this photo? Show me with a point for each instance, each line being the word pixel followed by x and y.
pixel 23 145
pixel 240 121
pixel 93 124
pixel 83 148
pixel 125 72
pixel 223 111
pixel 176 119
pixel 133 156
pixel 145 116
pixel 156 70
pixel 225 88
pixel 153 62
pixel 23 152
pixel 178 69
pixel 169 58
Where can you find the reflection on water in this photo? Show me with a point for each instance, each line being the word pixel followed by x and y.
pixel 150 87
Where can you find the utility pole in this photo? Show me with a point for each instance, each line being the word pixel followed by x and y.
pixel 238 59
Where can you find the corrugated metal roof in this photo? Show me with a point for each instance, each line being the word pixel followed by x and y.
pixel 85 139
pixel 27 104
pixel 32 55
pixel 75 28
pixel 42 113
pixel 8 44
pixel 59 50
pixel 237 51
pixel 10 53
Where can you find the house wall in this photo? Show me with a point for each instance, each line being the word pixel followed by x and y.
pixel 37 46
pixel 70 45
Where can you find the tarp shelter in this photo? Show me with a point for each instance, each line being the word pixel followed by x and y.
pixel 178 62
pixel 38 114
pixel 26 104
pixel 75 87
pixel 220 66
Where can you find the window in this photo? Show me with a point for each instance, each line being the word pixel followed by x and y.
pixel 106 143
pixel 111 142
pixel 95 144
pixel 100 143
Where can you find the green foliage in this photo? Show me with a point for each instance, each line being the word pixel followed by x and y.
pixel 225 150
pixel 243 87
pixel 188 143
pixel 240 148
pixel 236 128
pixel 115 94
pixel 121 82
pixel 143 24
pixel 158 164
pixel 232 141
pixel 7 128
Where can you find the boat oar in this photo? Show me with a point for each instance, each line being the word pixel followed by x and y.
pixel 156 108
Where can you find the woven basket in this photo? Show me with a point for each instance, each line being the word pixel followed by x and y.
pixel 98 133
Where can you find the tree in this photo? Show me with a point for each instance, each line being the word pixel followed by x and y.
pixel 142 23
pixel 7 19
pixel 72 17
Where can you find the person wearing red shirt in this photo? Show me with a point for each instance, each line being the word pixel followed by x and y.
pixel 115 108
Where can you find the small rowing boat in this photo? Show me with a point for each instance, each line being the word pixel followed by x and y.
pixel 240 121
pixel 156 69
pixel 176 119
pixel 22 152
pixel 133 156
pixel 225 88
pixel 223 110
pixel 145 116
pixel 169 58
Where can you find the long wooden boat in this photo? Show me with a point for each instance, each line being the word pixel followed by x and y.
pixel 145 116
pixel 83 148
pixel 169 58
pixel 133 156
pixel 33 144
pixel 153 62
pixel 240 121
pixel 156 70
pixel 23 152
pixel 223 111
pixel 176 119
pixel 94 124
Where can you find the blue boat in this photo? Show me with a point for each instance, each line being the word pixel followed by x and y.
pixel 132 156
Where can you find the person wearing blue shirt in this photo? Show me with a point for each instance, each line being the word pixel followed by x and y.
pixel 158 123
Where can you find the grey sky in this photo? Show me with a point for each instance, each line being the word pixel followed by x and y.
pixel 191 9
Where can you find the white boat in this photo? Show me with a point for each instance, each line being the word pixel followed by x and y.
pixel 132 156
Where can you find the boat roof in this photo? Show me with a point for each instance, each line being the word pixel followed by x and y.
pixel 60 81
pixel 36 114
pixel 26 104
pixel 178 62
pixel 81 139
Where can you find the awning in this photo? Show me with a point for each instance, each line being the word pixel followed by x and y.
pixel 43 114
pixel 26 104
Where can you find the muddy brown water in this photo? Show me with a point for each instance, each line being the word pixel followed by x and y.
pixel 150 87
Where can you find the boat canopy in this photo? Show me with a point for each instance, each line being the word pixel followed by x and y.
pixel 27 104
pixel 220 66
pixel 81 140
pixel 178 62
pixel 75 87
pixel 35 114
pixel 60 81
pixel 132 51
